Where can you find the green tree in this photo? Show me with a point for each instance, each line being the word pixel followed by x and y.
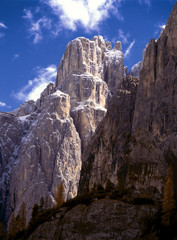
pixel 169 202
pixel 59 195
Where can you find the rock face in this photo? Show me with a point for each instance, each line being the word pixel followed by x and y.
pixel 25 109
pixel 41 142
pixel 89 69
pixel 11 130
pixel 156 107
pixel 95 57
pixel 46 151
pixel 129 153
pixel 87 116
pixel 113 154
pixel 135 70
pixel 102 219
pixel 129 147
pixel 52 155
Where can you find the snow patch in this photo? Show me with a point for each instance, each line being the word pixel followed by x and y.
pixel 23 118
pixel 88 103
pixel 58 93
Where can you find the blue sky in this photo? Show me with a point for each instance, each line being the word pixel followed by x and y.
pixel 34 34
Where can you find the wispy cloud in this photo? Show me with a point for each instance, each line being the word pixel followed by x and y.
pixel 2 27
pixel 123 37
pixel 87 13
pixel 159 27
pixel 15 56
pixel 36 26
pixel 34 87
pixel 147 2
pixel 127 52
pixel 4 105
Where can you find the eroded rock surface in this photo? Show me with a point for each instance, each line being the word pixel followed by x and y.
pixel 49 154
pixel 95 57
pixel 40 144
pixel 102 219
pixel 89 71
pixel 156 109
pixel 135 70
pixel 115 155
pixel 11 133
pixel 132 144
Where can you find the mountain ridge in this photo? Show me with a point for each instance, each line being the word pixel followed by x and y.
pixel 121 129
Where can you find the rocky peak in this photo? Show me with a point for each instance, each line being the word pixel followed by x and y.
pixel 88 71
pixel 135 70
pixel 25 109
pixel 129 147
pixel 170 31
pixel 84 56
pixel 52 152
pixel 157 89
pixel 44 139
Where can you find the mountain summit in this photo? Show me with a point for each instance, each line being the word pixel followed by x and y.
pixel 105 141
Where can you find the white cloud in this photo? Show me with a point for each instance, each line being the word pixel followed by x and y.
pixel 127 52
pixel 88 13
pixel 2 26
pixel 2 104
pixel 123 37
pixel 159 28
pixel 34 87
pixel 15 56
pixel 147 2
pixel 36 26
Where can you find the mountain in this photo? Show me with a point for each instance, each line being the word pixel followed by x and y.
pixel 42 141
pixel 107 135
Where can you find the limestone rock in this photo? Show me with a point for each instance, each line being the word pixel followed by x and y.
pixel 102 219
pixel 87 116
pixel 83 56
pixel 89 70
pixel 103 155
pixel 11 133
pixel 134 143
pixel 50 153
pixel 156 108
pixel 113 154
pixel 171 33
pixel 25 109
pixel 113 70
pixel 135 70
pixel 85 87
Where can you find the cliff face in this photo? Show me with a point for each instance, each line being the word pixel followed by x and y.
pixel 139 130
pixel 48 155
pixel 87 72
pixel 156 107
pixel 102 219
pixel 128 155
pixel 11 130
pixel 41 142
pixel 95 57
pixel 48 152
pixel 116 155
